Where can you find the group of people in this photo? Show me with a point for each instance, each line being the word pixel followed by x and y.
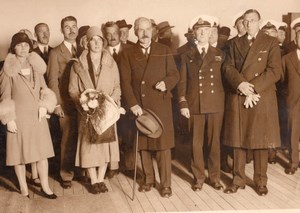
pixel 225 89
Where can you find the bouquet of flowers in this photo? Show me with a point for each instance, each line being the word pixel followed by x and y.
pixel 100 109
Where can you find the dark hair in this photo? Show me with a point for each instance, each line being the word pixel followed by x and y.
pixel 110 24
pixel 17 39
pixel 68 18
pixel 252 11
pixel 38 25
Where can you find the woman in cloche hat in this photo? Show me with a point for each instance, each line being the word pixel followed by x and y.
pixel 24 104
pixel 95 69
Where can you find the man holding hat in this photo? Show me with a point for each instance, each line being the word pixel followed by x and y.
pixel 124 29
pixel 201 100
pixel 292 45
pixel 252 67
pixel 148 74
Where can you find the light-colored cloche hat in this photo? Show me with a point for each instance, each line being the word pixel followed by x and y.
pixel 149 124
pixel 94 31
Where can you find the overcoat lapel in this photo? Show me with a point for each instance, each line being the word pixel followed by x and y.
pixel 83 75
pixel 256 48
pixel 242 45
pixel 208 57
pixel 295 61
pixel 195 57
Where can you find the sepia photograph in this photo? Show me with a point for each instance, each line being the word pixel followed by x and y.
pixel 149 106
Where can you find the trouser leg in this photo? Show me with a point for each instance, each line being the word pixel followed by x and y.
pixel 147 165
pixel 164 167
pixel 239 158
pixel 260 167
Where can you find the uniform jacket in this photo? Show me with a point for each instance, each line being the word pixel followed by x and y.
pixel 20 100
pixel 200 87
pixel 291 67
pixel 44 56
pixel 138 79
pixel 257 127
pixel 58 74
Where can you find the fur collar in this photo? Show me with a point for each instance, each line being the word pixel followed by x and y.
pixel 106 60
pixel 12 65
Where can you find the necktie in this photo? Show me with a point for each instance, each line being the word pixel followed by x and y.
pixel 73 51
pixel 203 52
pixel 115 55
pixel 251 41
pixel 45 50
pixel 146 52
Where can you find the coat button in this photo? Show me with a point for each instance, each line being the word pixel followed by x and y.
pixel 212 91
pixel 200 85
pixel 143 82
pixel 211 69
pixel 212 76
pixel 200 77
pixel 211 84
pixel 143 95
pixel 259 59
pixel 200 71
pixel 256 74
pixel 200 92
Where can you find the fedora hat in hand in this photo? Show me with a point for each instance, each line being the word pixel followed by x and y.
pixel 149 124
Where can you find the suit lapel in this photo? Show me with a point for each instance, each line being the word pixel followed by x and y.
pixel 195 57
pixel 65 52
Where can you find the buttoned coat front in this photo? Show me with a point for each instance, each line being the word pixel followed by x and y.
pixel 200 86
pixel 260 65
pixel 138 78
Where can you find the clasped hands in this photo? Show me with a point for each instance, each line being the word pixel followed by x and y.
pixel 251 97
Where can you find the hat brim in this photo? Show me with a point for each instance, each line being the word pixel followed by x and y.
pixel 159 132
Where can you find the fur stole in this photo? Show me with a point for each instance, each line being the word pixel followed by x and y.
pixel 47 99
pixel 12 65
pixel 7 111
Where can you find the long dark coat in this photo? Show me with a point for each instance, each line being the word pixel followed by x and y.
pixel 257 127
pixel 138 79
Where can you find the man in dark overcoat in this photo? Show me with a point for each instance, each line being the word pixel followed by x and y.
pixel 148 74
pixel 252 68
pixel 201 100
pixel 291 67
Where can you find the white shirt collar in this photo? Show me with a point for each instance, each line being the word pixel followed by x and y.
pixel 148 48
pixel 199 47
pixel 117 47
pixel 42 47
pixel 250 37
pixel 69 45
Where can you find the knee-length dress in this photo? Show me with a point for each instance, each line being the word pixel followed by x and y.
pixel 32 142
pixel 94 154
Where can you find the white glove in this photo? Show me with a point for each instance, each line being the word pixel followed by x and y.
pixel 161 86
pixel 42 113
pixel 246 88
pixel 12 126
pixel 185 112
pixel 251 100
pixel 136 110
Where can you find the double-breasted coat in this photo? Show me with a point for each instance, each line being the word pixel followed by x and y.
pixel 25 96
pixel 260 65
pixel 90 154
pixel 138 78
pixel 200 88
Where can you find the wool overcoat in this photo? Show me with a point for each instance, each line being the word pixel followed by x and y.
pixel 139 76
pixel 260 65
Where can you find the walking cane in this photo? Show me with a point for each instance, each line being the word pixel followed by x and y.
pixel 135 163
